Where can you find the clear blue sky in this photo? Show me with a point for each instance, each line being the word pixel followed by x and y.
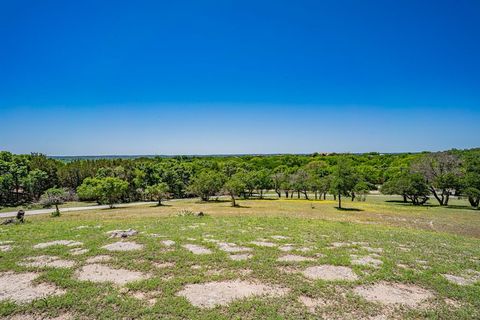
pixel 202 77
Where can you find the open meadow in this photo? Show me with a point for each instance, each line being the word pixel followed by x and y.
pixel 265 259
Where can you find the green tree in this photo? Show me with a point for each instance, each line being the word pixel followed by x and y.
pixel 54 197
pixel 207 183
pixel 235 186
pixel 111 190
pixel 158 192
pixel 471 180
pixel 343 180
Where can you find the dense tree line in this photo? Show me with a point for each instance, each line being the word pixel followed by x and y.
pixel 417 177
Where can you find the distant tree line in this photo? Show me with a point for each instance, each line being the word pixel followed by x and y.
pixel 416 177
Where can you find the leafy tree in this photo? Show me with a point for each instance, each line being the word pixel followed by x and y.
pixel 263 181
pixel 111 190
pixel 441 171
pixel 361 189
pixel 36 182
pixel 471 180
pixel 412 186
pixel 54 197
pixel 343 181
pixel 206 184
pixel 300 182
pixel 158 192
pixel 235 186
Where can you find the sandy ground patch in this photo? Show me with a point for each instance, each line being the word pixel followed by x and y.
pixel 123 246
pixel 264 244
pixel 311 304
pixel 280 237
pixel 339 244
pixel 149 297
pixel 19 287
pixel 168 243
pixel 122 233
pixel 211 240
pixel 330 273
pixel 102 273
pixel 211 294
pixel 286 248
pixel 196 249
pixel 232 247
pixel 368 261
pixel 100 258
pixel 373 250
pixel 5 247
pixel 46 261
pixel 78 251
pixel 240 256
pixel 466 279
pixel 163 265
pixel 68 243
pixel 394 293
pixel 294 258
pixel 304 249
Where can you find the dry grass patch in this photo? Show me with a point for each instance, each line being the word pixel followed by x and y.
pixel 264 244
pixel 68 243
pixel 100 258
pixel 232 247
pixel 294 258
pixel 240 256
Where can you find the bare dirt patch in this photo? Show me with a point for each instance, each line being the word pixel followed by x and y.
pixel 466 279
pixel 78 251
pixel 168 243
pixel 232 247
pixel 163 265
pixel 102 273
pixel 264 244
pixel 46 261
pixel 330 273
pixel 68 243
pixel 279 237
pixel 100 258
pixel 149 297
pixel 240 256
pixel 286 248
pixel 196 249
pixel 19 287
pixel 122 233
pixel 294 258
pixel 5 248
pixel 211 294
pixel 65 316
pixel 368 261
pixel 123 246
pixel 394 293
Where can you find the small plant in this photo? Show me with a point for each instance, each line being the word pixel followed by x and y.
pixel 185 213
pixel 54 197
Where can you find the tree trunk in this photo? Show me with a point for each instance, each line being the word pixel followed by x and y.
pixel 159 202
pixel 261 193
pixel 306 195
pixel 233 201
pixel 339 201
pixel 56 209
pixel 353 196
pixel 316 195
pixel 298 194
pixel 286 194
pixel 440 200
pixel 404 198
pixel 447 197
pixel 324 196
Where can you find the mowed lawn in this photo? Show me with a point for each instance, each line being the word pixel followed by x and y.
pixel 301 260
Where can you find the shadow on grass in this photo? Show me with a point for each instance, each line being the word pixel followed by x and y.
pixel 239 206
pixel 453 206
pixel 349 209
pixel 159 206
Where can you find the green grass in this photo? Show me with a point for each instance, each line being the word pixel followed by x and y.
pixel 450 249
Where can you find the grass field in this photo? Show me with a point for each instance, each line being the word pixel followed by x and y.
pixel 383 244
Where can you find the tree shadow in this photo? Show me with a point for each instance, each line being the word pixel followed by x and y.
pixel 159 206
pixel 454 206
pixel 349 209
pixel 239 206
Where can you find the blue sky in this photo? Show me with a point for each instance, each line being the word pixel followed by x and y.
pixel 202 77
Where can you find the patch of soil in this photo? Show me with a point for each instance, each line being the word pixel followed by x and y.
pixel 232 247
pixel 102 273
pixel 78 251
pixel 196 249
pixel 163 265
pixel 339 244
pixel 304 249
pixel 68 243
pixel 19 287
pixel 211 294
pixel 46 261
pixel 286 248
pixel 168 243
pixel 311 304
pixel 280 237
pixel 264 244
pixel 394 293
pixel 240 256
pixel 149 297
pixel 464 280
pixel 330 273
pixel 373 250
pixel 101 258
pixel 122 233
pixel 294 258
pixel 368 261
pixel 5 248
pixel 123 246
pixel 289 270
